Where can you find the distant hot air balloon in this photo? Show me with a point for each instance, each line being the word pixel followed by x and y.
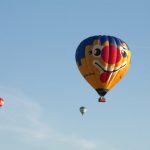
pixel 1 102
pixel 83 110
pixel 103 61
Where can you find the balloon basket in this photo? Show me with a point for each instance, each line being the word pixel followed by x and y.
pixel 102 99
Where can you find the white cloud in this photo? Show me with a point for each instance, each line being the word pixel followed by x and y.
pixel 22 114
pixel 81 142
pixel 24 117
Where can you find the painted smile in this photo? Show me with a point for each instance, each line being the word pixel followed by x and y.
pixel 96 63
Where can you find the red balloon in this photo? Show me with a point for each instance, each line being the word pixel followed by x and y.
pixel 1 102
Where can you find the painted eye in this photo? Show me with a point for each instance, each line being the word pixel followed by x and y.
pixel 124 53
pixel 96 52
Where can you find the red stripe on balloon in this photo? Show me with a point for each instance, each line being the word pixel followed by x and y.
pixel 105 54
pixel 110 54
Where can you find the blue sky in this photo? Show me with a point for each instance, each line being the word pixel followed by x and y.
pixel 43 88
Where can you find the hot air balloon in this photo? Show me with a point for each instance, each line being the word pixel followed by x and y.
pixel 103 61
pixel 83 110
pixel 1 102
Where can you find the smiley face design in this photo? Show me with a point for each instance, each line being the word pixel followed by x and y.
pixel 109 59
pixel 103 61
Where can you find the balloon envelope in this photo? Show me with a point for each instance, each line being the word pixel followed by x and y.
pixel 83 110
pixel 1 102
pixel 103 61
